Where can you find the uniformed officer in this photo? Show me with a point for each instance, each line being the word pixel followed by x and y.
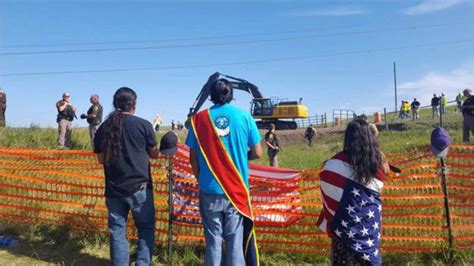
pixel 3 107
pixel 66 114
pixel 273 146
pixel 468 113
pixel 94 116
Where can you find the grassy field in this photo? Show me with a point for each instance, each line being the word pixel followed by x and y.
pixel 51 245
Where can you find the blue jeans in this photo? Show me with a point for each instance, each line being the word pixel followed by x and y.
pixel 221 221
pixel 143 212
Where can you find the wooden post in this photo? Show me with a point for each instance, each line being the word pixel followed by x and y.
pixel 385 118
pixel 333 118
pixel 446 202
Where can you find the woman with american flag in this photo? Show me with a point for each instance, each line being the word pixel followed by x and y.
pixel 351 184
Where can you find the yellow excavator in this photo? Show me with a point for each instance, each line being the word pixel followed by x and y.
pixel 267 110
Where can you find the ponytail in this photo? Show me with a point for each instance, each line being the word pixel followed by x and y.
pixel 113 138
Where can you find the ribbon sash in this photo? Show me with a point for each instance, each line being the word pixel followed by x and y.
pixel 229 178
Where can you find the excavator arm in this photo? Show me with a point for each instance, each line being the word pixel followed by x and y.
pixel 237 84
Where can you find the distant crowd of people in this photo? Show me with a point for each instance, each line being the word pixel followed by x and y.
pixel 464 105
pixel 177 126
pixel 438 106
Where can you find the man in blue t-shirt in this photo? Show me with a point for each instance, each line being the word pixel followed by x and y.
pixel 220 219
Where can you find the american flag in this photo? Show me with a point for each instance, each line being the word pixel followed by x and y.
pixel 274 193
pixel 352 212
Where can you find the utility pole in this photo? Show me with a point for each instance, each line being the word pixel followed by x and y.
pixel 395 85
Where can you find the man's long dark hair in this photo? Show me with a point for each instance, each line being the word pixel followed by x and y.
pixel 125 100
pixel 362 148
pixel 221 91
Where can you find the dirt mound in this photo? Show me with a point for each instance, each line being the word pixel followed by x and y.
pixel 288 137
pixel 294 137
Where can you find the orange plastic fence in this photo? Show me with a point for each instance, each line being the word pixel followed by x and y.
pixel 66 187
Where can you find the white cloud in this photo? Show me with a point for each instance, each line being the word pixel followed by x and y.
pixel 449 83
pixel 334 12
pixel 428 6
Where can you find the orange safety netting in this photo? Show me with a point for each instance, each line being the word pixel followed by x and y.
pixel 66 187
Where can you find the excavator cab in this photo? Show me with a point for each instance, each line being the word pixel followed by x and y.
pixel 262 107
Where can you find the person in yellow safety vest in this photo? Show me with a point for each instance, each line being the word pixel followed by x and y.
pixel 402 110
pixel 406 109
pixel 444 102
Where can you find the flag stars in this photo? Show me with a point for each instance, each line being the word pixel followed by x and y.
pixel 350 209
pixel 375 225
pixel 350 234
pixel 372 198
pixel 363 203
pixel 376 252
pixel 356 192
pixel 379 208
pixel 357 219
pixel 371 214
pixel 357 246
pixel 365 231
pixel 366 257
pixel 344 223
pixel 378 236
pixel 370 242
pixel 338 233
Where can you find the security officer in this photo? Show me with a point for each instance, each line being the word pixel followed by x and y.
pixel 273 146
pixel 66 113
pixel 94 116
pixel 3 107
pixel 468 113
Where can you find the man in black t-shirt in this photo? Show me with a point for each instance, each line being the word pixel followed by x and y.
pixel 124 144
pixel 130 171
pixel 273 147
pixel 468 114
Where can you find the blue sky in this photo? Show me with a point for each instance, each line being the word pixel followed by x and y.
pixel 318 50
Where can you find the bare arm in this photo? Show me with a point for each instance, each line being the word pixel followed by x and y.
pixel 62 106
pixel 269 145
pixel 385 165
pixel 193 160
pixel 255 152
pixel 100 158
pixel 154 152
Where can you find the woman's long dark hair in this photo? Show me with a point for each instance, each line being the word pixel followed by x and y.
pixel 362 148
pixel 125 100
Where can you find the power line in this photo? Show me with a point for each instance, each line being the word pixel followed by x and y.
pixel 242 62
pixel 208 38
pixel 196 45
